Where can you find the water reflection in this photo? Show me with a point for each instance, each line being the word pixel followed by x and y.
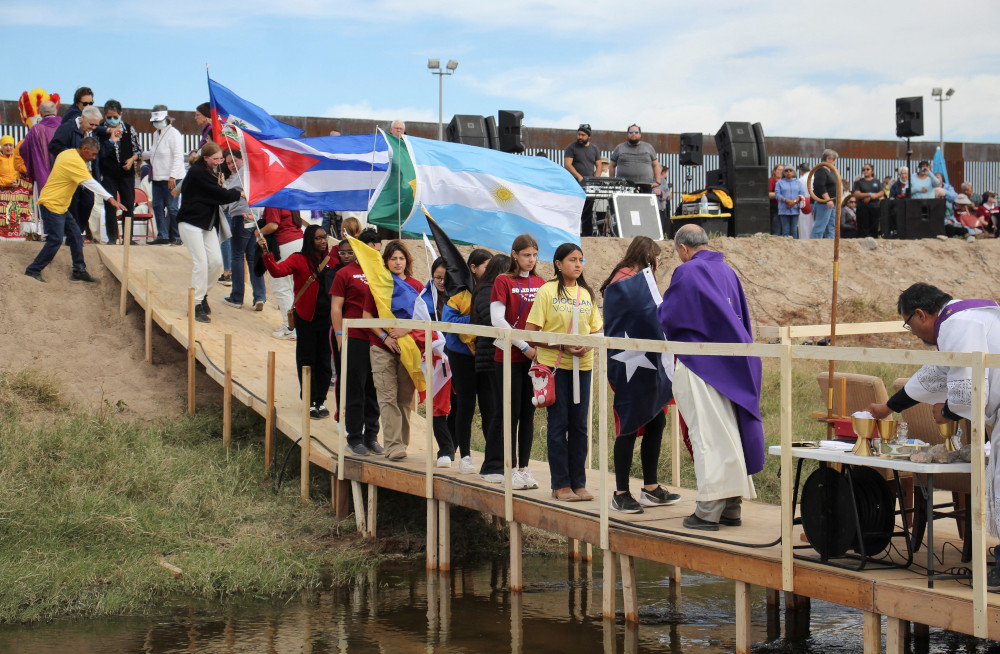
pixel 404 608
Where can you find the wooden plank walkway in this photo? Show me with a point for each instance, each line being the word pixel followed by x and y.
pixel 749 554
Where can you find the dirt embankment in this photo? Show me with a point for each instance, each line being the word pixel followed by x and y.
pixel 73 330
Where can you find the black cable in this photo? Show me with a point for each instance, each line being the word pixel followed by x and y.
pixel 277 486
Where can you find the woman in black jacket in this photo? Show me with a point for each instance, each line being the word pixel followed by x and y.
pixel 198 221
pixel 484 345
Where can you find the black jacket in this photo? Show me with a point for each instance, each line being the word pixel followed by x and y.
pixel 68 136
pixel 201 197
pixel 485 349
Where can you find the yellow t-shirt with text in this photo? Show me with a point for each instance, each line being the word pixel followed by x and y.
pixel 68 172
pixel 555 314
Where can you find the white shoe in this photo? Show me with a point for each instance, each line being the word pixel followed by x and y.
pixel 444 462
pixel 517 480
pixel 284 334
pixel 529 478
pixel 467 466
pixel 493 478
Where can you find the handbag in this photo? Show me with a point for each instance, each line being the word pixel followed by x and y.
pixel 807 206
pixel 312 278
pixel 543 378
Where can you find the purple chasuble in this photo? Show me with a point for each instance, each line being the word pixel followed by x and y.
pixel 35 149
pixel 705 304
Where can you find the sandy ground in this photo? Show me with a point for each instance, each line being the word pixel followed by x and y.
pixel 73 331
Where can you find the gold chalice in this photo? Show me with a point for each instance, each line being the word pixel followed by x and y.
pixel 948 431
pixel 864 428
pixel 887 429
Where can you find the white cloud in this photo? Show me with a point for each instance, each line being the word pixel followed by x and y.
pixel 364 110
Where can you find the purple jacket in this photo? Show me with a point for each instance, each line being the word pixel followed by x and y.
pixel 705 304
pixel 35 149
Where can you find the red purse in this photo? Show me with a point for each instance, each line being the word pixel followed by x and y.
pixel 543 378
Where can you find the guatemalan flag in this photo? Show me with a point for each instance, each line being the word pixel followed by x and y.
pixel 333 173
pixel 488 197
pixel 229 108
pixel 642 381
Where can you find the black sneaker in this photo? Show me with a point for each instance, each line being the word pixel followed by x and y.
pixel 204 305
pixel 359 450
pixel 34 275
pixel 160 241
pixel 177 242
pixel 660 496
pixel 694 522
pixel 375 447
pixel 625 503
pixel 323 411
pixel 200 315
pixel 314 413
pixel 730 522
pixel 83 276
pixel 993 577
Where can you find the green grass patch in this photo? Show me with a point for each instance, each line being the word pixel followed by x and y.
pixel 90 503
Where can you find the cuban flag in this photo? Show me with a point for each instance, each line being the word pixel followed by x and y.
pixel 642 381
pixel 488 197
pixel 333 173
pixel 229 108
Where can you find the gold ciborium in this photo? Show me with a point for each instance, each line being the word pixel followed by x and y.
pixel 948 431
pixel 864 428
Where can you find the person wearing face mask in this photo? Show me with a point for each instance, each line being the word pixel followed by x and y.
pixel 68 136
pixel 199 222
pixel 119 156
pixel 166 156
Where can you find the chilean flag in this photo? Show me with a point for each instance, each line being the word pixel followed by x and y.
pixel 227 107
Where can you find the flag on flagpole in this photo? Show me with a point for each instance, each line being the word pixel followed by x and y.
pixel 229 108
pixel 333 173
pixel 392 202
pixel 458 277
pixel 938 165
pixel 642 381
pixel 482 196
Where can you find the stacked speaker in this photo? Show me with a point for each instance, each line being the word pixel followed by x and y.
pixel 484 132
pixel 743 174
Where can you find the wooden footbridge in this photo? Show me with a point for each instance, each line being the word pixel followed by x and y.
pixel 237 351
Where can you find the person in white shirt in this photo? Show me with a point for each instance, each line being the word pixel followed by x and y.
pixel 166 156
pixel 805 219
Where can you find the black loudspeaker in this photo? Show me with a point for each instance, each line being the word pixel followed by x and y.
pixel 491 133
pixel 714 178
pixel 691 143
pixel 909 117
pixel 733 133
pixel 750 217
pixel 511 132
pixel 758 137
pixel 749 183
pixel 914 218
pixel 470 130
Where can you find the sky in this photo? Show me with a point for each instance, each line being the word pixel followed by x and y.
pixel 803 69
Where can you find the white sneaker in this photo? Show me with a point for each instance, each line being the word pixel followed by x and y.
pixel 517 480
pixel 467 466
pixel 444 462
pixel 282 333
pixel 529 478
pixel 492 478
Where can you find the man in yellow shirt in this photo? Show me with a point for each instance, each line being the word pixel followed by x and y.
pixel 68 172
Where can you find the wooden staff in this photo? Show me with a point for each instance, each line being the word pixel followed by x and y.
pixel 836 274
pixel 127 228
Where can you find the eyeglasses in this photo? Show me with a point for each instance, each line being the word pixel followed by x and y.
pixel 906 323
pixel 634 131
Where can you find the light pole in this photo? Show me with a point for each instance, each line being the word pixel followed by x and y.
pixel 435 67
pixel 941 99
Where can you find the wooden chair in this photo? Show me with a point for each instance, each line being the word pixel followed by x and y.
pixel 920 424
pixel 145 217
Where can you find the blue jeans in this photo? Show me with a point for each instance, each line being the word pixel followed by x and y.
pixel 56 226
pixel 823 225
pixel 789 225
pixel 165 211
pixel 227 246
pixel 567 427
pixel 244 245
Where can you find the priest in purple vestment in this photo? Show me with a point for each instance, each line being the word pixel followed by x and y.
pixel 35 147
pixel 717 396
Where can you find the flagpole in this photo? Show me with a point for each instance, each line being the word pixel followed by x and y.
pixel 243 181
pixel 371 176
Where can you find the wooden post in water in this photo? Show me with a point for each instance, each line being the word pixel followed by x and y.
pixel 305 445
pixel 190 352
pixel 149 320
pixel 432 534
pixel 359 507
pixel 444 536
pixel 227 396
pixel 630 598
pixel 372 510
pixel 742 618
pixel 339 491
pixel 872 630
pixel 785 390
pixel 574 549
pixel 125 265
pixel 608 604
pixel 516 569
pixel 895 635
pixel 269 415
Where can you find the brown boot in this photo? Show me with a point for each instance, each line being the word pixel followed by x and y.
pixel 583 494
pixel 565 495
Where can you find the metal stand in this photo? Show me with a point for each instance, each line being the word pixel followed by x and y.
pixel 909 174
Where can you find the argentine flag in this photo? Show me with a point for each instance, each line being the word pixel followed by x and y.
pixel 487 197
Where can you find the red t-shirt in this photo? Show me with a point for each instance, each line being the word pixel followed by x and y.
pixel 350 284
pixel 517 295
pixel 372 309
pixel 287 231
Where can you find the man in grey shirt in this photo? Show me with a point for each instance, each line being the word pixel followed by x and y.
pixel 636 161
pixel 582 159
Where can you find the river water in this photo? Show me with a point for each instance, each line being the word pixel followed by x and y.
pixel 400 608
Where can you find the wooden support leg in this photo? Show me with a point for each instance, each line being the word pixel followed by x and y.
pixel 227 395
pixel 574 549
pixel 516 623
pixel 588 553
pixel 872 631
pixel 674 574
pixel 190 353
pixel 372 510
pixel 444 536
pixel 795 602
pixel 432 534
pixel 921 631
pixel 339 496
pixel 516 579
pixel 629 595
pixel 773 614
pixel 359 507
pixel 895 635
pixel 149 320
pixel 608 605
pixel 269 416
pixel 305 445
pixel 742 617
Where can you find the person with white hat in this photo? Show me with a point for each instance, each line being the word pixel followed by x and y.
pixel 166 156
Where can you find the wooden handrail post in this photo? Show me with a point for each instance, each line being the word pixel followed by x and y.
pixel 602 435
pixel 269 415
pixel 190 352
pixel 429 458
pixel 977 514
pixel 508 496
pixel 125 263
pixel 149 320
pixel 342 420
pixel 305 445
pixel 227 395
pixel 787 572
